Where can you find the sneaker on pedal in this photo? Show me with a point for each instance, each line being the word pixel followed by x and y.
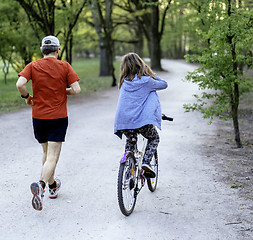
pixel 38 194
pixel 54 191
pixel 148 171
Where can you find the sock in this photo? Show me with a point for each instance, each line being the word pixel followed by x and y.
pixel 43 184
pixel 52 186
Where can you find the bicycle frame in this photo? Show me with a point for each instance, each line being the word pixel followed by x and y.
pixel 138 156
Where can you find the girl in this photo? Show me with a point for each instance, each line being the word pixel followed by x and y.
pixel 139 106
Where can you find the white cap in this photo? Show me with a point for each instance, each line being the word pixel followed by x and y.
pixel 50 41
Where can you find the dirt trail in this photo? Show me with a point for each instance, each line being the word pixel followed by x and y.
pixel 190 202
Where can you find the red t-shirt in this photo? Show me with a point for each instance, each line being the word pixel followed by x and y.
pixel 49 81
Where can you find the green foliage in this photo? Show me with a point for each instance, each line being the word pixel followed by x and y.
pixel 221 60
pixel 18 44
pixel 85 37
pixel 236 186
pixel 174 38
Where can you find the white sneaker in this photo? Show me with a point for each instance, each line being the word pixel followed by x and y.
pixel 148 171
pixel 38 194
pixel 53 192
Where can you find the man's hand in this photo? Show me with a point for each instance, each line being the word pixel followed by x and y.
pixel 29 100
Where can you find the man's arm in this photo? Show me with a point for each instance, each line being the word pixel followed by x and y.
pixel 21 86
pixel 74 89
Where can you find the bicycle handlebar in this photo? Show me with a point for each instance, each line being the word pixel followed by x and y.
pixel 164 117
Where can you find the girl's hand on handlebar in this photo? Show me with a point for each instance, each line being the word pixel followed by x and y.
pixel 164 117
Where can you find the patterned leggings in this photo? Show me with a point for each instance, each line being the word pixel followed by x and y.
pixel 149 132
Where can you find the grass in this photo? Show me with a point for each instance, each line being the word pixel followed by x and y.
pixel 9 96
pixel 87 70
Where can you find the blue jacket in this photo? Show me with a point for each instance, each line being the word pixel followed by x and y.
pixel 138 104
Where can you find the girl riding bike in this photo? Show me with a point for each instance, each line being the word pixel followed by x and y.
pixel 139 106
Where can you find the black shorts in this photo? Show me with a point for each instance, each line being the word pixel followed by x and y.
pixel 50 129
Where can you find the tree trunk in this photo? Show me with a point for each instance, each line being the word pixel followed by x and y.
pixel 5 69
pixel 235 115
pixel 48 10
pixel 138 47
pixel 106 59
pixel 155 39
pixel 235 88
pixel 68 49
pixel 103 27
pixel 155 53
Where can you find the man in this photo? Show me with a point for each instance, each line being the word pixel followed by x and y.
pixel 49 110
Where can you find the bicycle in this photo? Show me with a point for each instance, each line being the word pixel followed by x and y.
pixel 130 176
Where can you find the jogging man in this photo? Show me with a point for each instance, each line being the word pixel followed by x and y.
pixel 49 110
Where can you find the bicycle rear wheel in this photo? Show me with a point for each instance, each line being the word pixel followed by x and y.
pixel 126 186
pixel 152 182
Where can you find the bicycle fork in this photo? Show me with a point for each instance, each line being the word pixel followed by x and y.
pixel 138 177
pixel 140 172
pixel 141 178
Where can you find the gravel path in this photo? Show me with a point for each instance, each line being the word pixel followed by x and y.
pixel 189 203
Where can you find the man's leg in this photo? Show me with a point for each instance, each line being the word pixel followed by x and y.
pixel 44 147
pixel 51 153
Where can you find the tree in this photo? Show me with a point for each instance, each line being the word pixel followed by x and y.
pixel 155 29
pixel 153 22
pixel 15 27
pixel 225 46
pixel 150 19
pixel 41 15
pixel 102 22
pixel 175 34
pixel 6 48
pixel 5 55
pixel 70 13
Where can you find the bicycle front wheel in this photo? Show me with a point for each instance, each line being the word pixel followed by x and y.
pixel 152 182
pixel 126 186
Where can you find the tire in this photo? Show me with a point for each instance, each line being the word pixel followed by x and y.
pixel 126 186
pixel 152 182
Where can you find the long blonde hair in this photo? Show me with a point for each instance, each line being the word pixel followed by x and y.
pixel 132 64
